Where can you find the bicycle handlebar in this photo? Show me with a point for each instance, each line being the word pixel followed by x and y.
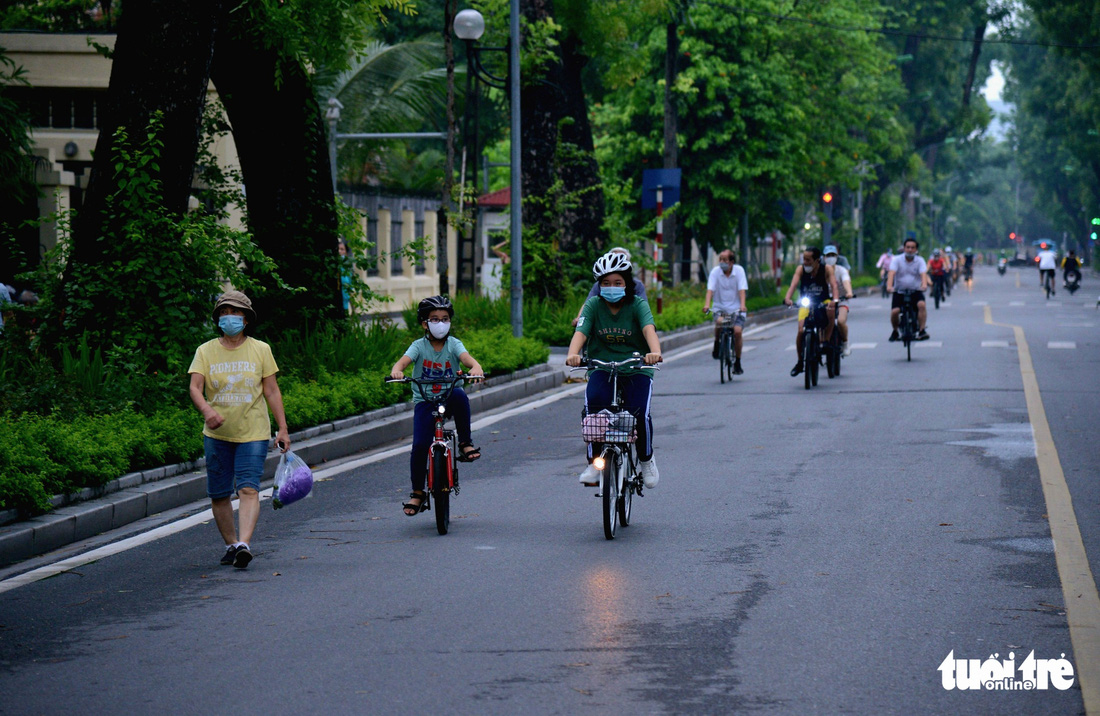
pixel 636 361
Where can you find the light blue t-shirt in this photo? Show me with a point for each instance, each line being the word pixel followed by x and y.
pixel 429 363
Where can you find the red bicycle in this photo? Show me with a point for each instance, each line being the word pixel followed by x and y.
pixel 443 453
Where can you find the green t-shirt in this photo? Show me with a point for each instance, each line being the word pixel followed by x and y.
pixel 616 337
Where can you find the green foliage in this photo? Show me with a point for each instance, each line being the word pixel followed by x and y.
pixel 347 348
pixel 163 270
pixel 16 165
pixel 545 321
pixel 498 351
pixel 56 15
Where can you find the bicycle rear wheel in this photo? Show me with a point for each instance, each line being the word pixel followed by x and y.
pixel 610 491
pixel 627 497
pixel 441 489
pixel 814 368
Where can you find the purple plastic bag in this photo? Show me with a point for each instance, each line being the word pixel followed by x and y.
pixel 293 480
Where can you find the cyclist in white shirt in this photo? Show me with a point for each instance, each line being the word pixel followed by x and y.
pixel 909 272
pixel 1048 263
pixel 844 282
pixel 727 287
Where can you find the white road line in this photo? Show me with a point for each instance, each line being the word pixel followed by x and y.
pixel 1061 344
pixel 980 303
pixel 862 346
pixel 994 344
pixel 928 344
pixel 1054 303
pixel 1076 325
pixel 1016 303
pixel 326 473
pixel 790 348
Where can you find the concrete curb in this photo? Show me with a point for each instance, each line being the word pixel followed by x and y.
pixel 138 495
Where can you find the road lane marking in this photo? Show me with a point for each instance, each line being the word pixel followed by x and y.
pixel 1062 344
pixel 1016 303
pixel 1078 585
pixel 862 346
pixel 994 344
pixel 1076 325
pixel 928 344
pixel 980 303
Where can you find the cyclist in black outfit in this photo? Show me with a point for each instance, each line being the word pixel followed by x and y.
pixel 813 278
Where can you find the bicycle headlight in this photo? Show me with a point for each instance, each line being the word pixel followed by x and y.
pixel 804 302
pixel 599 463
pixel 442 409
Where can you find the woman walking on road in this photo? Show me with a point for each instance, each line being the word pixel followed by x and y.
pixel 233 384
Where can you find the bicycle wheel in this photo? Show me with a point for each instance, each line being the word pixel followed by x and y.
pixel 814 368
pixel 729 357
pixel 807 356
pixel 722 349
pixel 630 474
pixel 610 492
pixel 441 490
pixel 836 364
pixel 936 296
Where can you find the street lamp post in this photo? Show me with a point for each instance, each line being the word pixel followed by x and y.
pixel 470 26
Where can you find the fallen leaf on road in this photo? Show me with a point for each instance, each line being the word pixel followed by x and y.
pixel 276 574
pixel 580 663
pixel 946 524
pixel 586 692
pixel 207 597
pixel 666 595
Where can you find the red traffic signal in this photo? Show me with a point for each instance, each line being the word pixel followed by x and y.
pixel 827 197
pixel 1012 235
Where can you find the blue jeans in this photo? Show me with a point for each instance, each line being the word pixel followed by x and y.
pixel 231 466
pixel 637 392
pixel 458 407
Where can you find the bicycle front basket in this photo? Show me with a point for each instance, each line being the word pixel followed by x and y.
pixel 606 426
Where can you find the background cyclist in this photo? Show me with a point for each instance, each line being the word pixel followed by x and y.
pixel 908 272
pixel 727 287
pixel 844 283
pixel 618 324
pixel 1048 262
pixel 813 278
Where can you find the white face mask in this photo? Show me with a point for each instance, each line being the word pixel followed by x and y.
pixel 439 331
pixel 830 260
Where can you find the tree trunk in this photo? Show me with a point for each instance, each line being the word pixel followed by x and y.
pixel 161 63
pixel 281 144
pixel 582 227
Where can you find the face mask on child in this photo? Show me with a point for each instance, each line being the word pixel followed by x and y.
pixel 439 330
pixel 612 294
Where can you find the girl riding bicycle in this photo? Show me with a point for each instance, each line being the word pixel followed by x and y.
pixel 436 355
pixel 620 324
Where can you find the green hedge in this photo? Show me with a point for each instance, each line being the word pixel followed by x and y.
pixel 45 455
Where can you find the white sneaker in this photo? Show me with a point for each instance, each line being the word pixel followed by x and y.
pixel 845 350
pixel 650 476
pixel 590 477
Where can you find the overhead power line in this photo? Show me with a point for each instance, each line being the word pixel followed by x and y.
pixel 891 32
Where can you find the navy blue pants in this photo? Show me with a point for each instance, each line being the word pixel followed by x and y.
pixel 458 407
pixel 637 392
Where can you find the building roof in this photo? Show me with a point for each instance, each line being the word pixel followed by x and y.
pixel 497 199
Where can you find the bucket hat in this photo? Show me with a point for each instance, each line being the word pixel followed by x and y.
pixel 236 299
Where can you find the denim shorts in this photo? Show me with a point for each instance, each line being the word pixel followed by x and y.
pixel 231 466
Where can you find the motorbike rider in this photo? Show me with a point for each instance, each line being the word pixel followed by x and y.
pixel 813 278
pixel 1071 265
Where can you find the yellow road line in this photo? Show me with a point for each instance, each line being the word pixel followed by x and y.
pixel 1078 584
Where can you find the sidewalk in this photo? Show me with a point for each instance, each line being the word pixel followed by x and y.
pixel 139 495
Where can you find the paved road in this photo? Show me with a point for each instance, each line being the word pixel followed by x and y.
pixel 806 552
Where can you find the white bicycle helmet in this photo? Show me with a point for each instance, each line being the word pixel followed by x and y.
pixel 610 263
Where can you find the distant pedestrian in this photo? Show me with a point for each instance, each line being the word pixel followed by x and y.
pixel 233 385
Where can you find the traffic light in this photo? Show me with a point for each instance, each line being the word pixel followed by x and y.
pixel 827 198
pixel 1012 236
pixel 1096 221
pixel 1093 237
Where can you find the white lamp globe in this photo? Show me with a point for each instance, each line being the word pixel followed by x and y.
pixel 469 25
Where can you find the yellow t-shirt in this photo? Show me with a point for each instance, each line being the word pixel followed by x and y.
pixel 234 387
